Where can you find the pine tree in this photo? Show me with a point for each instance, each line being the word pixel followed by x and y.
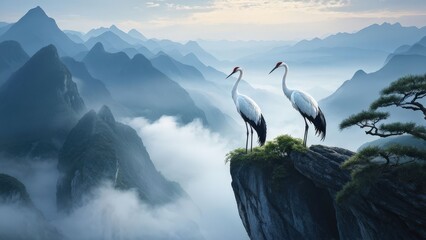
pixel 406 93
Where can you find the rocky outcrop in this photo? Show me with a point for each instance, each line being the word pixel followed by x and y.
pixel 99 149
pixel 39 104
pixel 19 218
pixel 13 191
pixel 293 196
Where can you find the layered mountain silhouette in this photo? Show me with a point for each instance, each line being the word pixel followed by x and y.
pixel 12 57
pixel 366 47
pixel 176 50
pixel 4 27
pixel 136 34
pixel 133 37
pixel 138 85
pixel 36 30
pixel 419 48
pixel 176 70
pixel 207 95
pixel 110 41
pixel 93 91
pixel 75 36
pixel 99 149
pixel 39 104
pixel 364 88
pixel 385 37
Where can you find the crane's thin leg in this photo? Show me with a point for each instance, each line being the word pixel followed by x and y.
pixel 305 138
pixel 251 146
pixel 247 137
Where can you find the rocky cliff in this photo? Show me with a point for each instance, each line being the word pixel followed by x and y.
pixel 99 149
pixel 39 104
pixel 19 218
pixel 284 191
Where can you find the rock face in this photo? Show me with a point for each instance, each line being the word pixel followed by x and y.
pixel 99 149
pixel 39 104
pixel 298 200
pixel 19 218
pixel 13 191
pixel 12 57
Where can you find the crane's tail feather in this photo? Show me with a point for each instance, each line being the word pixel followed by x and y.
pixel 259 127
pixel 320 125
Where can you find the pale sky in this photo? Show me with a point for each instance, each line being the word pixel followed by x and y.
pixel 224 19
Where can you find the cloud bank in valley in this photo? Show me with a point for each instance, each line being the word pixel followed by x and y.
pixel 189 154
pixel 194 157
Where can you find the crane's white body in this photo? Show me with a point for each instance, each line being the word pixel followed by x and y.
pixel 245 104
pixel 249 111
pixel 248 107
pixel 305 104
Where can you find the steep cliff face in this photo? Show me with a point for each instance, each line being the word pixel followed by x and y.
pixel 292 195
pixel 97 149
pixel 39 104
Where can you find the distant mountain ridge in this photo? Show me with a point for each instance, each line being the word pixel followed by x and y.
pixel 363 88
pixel 132 37
pixel 93 91
pixel 418 48
pixel 137 84
pixel 364 48
pixel 110 41
pixel 385 37
pixel 36 30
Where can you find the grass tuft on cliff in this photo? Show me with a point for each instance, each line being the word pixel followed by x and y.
pixel 278 148
pixel 272 157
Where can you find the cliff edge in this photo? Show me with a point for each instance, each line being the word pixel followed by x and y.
pixel 285 191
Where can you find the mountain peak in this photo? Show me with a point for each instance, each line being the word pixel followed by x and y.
pixel 49 51
pixel 37 11
pixel 192 44
pixel 141 59
pixel 99 47
pixel 360 73
pixel 106 115
pixel 386 24
pixel 113 27
pixel 9 44
pixel 39 105
pixel 136 34
pixel 161 53
pixel 36 29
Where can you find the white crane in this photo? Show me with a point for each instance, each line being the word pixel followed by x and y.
pixel 249 111
pixel 306 105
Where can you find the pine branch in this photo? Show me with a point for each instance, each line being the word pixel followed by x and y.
pixel 401 91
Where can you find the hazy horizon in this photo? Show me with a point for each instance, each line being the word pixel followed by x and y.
pixel 288 20
pixel 113 135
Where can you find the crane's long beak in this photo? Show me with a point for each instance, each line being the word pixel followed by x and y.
pixel 273 70
pixel 229 75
